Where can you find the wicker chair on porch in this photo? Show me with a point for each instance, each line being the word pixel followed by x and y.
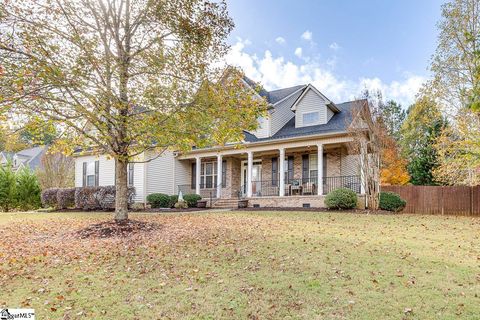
pixel 309 188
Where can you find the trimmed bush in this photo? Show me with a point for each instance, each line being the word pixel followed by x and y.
pixel 391 201
pixel 342 198
pixel 191 199
pixel 159 200
pixel 28 190
pixel 66 198
pixel 99 198
pixel 181 205
pixel 49 198
pixel 173 200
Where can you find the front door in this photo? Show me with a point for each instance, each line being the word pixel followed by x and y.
pixel 256 178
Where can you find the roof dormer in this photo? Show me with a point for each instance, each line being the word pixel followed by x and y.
pixel 313 108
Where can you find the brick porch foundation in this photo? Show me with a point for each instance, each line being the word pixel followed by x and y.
pixel 296 202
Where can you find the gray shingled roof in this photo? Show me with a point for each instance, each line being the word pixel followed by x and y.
pixel 275 95
pixel 338 123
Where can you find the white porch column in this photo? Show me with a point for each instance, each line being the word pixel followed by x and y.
pixel 198 167
pixel 249 173
pixel 219 176
pixel 320 169
pixel 361 157
pixel 281 183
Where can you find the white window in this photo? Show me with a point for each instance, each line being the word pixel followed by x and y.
pixel 208 175
pixel 91 174
pixel 313 166
pixel 310 118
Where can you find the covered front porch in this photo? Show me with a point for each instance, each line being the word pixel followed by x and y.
pixel 302 170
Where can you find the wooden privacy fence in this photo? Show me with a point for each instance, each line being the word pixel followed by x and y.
pixel 459 200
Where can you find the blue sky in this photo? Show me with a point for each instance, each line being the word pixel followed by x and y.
pixel 340 46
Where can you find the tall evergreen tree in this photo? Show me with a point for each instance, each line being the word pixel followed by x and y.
pixel 422 127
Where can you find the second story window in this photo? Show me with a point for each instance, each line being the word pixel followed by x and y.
pixel 310 118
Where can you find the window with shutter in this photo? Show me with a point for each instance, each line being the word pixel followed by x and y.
pixel 274 171
pixel 84 175
pixel 97 173
pixel 305 168
pixel 224 173
pixel 289 169
pixel 130 174
pixel 193 180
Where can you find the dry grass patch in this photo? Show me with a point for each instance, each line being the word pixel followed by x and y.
pixel 256 265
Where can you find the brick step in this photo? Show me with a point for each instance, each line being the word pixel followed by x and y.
pixel 226 203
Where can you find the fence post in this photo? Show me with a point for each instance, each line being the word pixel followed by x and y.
pixel 443 201
pixel 471 201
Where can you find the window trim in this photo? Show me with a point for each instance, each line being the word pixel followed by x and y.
pixel 204 175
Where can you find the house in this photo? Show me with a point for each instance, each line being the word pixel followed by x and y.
pixel 30 158
pixel 303 140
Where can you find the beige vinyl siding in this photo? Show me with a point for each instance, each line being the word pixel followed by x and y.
pixel 161 173
pixel 330 114
pixel 138 176
pixel 283 113
pixel 183 169
pixel 263 129
pixel 310 102
pixel 106 171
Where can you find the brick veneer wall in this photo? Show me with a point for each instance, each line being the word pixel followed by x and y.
pixel 296 202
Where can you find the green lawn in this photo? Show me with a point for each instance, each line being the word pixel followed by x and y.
pixel 244 265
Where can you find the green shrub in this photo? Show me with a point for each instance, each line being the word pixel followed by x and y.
pixel 192 199
pixel 159 200
pixel 342 198
pixel 173 200
pixel 28 190
pixel 8 187
pixel 391 201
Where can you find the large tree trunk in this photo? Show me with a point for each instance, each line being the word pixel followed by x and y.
pixel 121 193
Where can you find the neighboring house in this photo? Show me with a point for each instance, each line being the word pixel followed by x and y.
pixel 302 141
pixel 31 158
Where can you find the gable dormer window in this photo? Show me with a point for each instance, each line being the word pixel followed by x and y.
pixel 310 118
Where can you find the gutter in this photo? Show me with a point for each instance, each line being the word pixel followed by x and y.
pixel 268 142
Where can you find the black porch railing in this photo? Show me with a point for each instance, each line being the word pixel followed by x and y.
pixel 301 187
pixel 351 182
pixel 206 191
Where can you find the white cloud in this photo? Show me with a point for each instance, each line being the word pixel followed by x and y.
pixel 307 35
pixel 298 52
pixel 280 40
pixel 277 72
pixel 334 46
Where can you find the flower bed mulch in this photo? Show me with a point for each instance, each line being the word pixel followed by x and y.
pixel 173 209
pixel 108 229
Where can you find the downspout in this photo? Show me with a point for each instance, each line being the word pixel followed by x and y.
pixel 145 166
